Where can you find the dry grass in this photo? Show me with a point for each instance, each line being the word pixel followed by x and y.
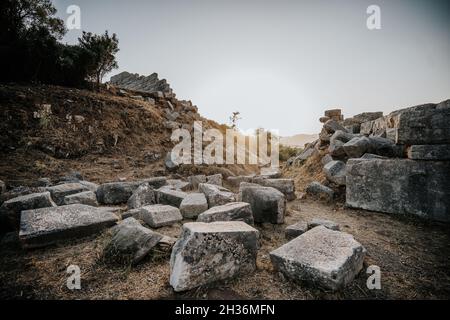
pixel 413 257
pixel 309 171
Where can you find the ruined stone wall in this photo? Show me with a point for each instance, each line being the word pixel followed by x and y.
pixel 398 163
pixel 136 82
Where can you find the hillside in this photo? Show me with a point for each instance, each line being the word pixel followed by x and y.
pixel 114 134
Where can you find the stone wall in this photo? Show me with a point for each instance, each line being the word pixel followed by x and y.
pixel 397 163
pixel 400 186
pixel 136 82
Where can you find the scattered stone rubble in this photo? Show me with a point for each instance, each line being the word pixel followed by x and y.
pixel 234 211
pixel 130 242
pixel 267 203
pixel 399 163
pixel 193 205
pixel 41 227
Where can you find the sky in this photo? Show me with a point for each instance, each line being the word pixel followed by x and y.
pixel 281 63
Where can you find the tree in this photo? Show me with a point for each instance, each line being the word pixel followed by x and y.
pixel 19 17
pixel 234 119
pixel 31 51
pixel 102 49
pixel 29 35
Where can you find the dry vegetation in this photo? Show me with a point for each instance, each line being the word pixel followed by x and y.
pixel 412 255
pixel 118 137
pixel 309 171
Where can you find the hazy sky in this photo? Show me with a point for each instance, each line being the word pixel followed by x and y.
pixel 281 63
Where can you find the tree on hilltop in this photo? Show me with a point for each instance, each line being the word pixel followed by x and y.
pixel 102 49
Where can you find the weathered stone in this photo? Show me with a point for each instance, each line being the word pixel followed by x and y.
pixel 196 180
pixel 342 136
pixel 400 186
pixel 130 243
pixel 178 184
pixel 86 197
pixel 131 213
pixel 331 126
pixel 73 176
pixel 89 185
pixel 321 257
pixel 294 230
pixel 216 195
pixel 326 158
pixel 333 113
pixel 116 192
pixel 2 187
pixel 270 172
pixel 317 189
pixel 41 227
pixel 154 182
pixel 142 196
pixel 172 116
pixel 10 209
pixel 236 181
pixel 20 191
pixel 369 156
pixel 308 152
pixel 148 84
pixel 209 252
pixel 193 204
pixel 324 136
pixel 214 179
pixel 382 146
pixel 234 211
pixel 285 186
pixel 424 124
pixel 324 119
pixel 60 191
pixel 166 195
pixel 356 147
pixel 337 141
pixel 159 215
pixel 267 203
pixel 336 149
pixel 166 243
pixel 322 222
pixel 120 192
pixel 368 116
pixel 116 210
pixel 429 152
pixel 335 172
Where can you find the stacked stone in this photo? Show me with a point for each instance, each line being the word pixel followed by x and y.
pixel 418 185
pixel 136 82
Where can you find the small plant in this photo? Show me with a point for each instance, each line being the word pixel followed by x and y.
pixel 234 119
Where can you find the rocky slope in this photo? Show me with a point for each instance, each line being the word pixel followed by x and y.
pixel 113 134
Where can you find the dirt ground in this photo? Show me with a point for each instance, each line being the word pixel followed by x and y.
pixel 413 256
pixel 119 139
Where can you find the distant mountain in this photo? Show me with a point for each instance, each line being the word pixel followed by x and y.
pixel 298 140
